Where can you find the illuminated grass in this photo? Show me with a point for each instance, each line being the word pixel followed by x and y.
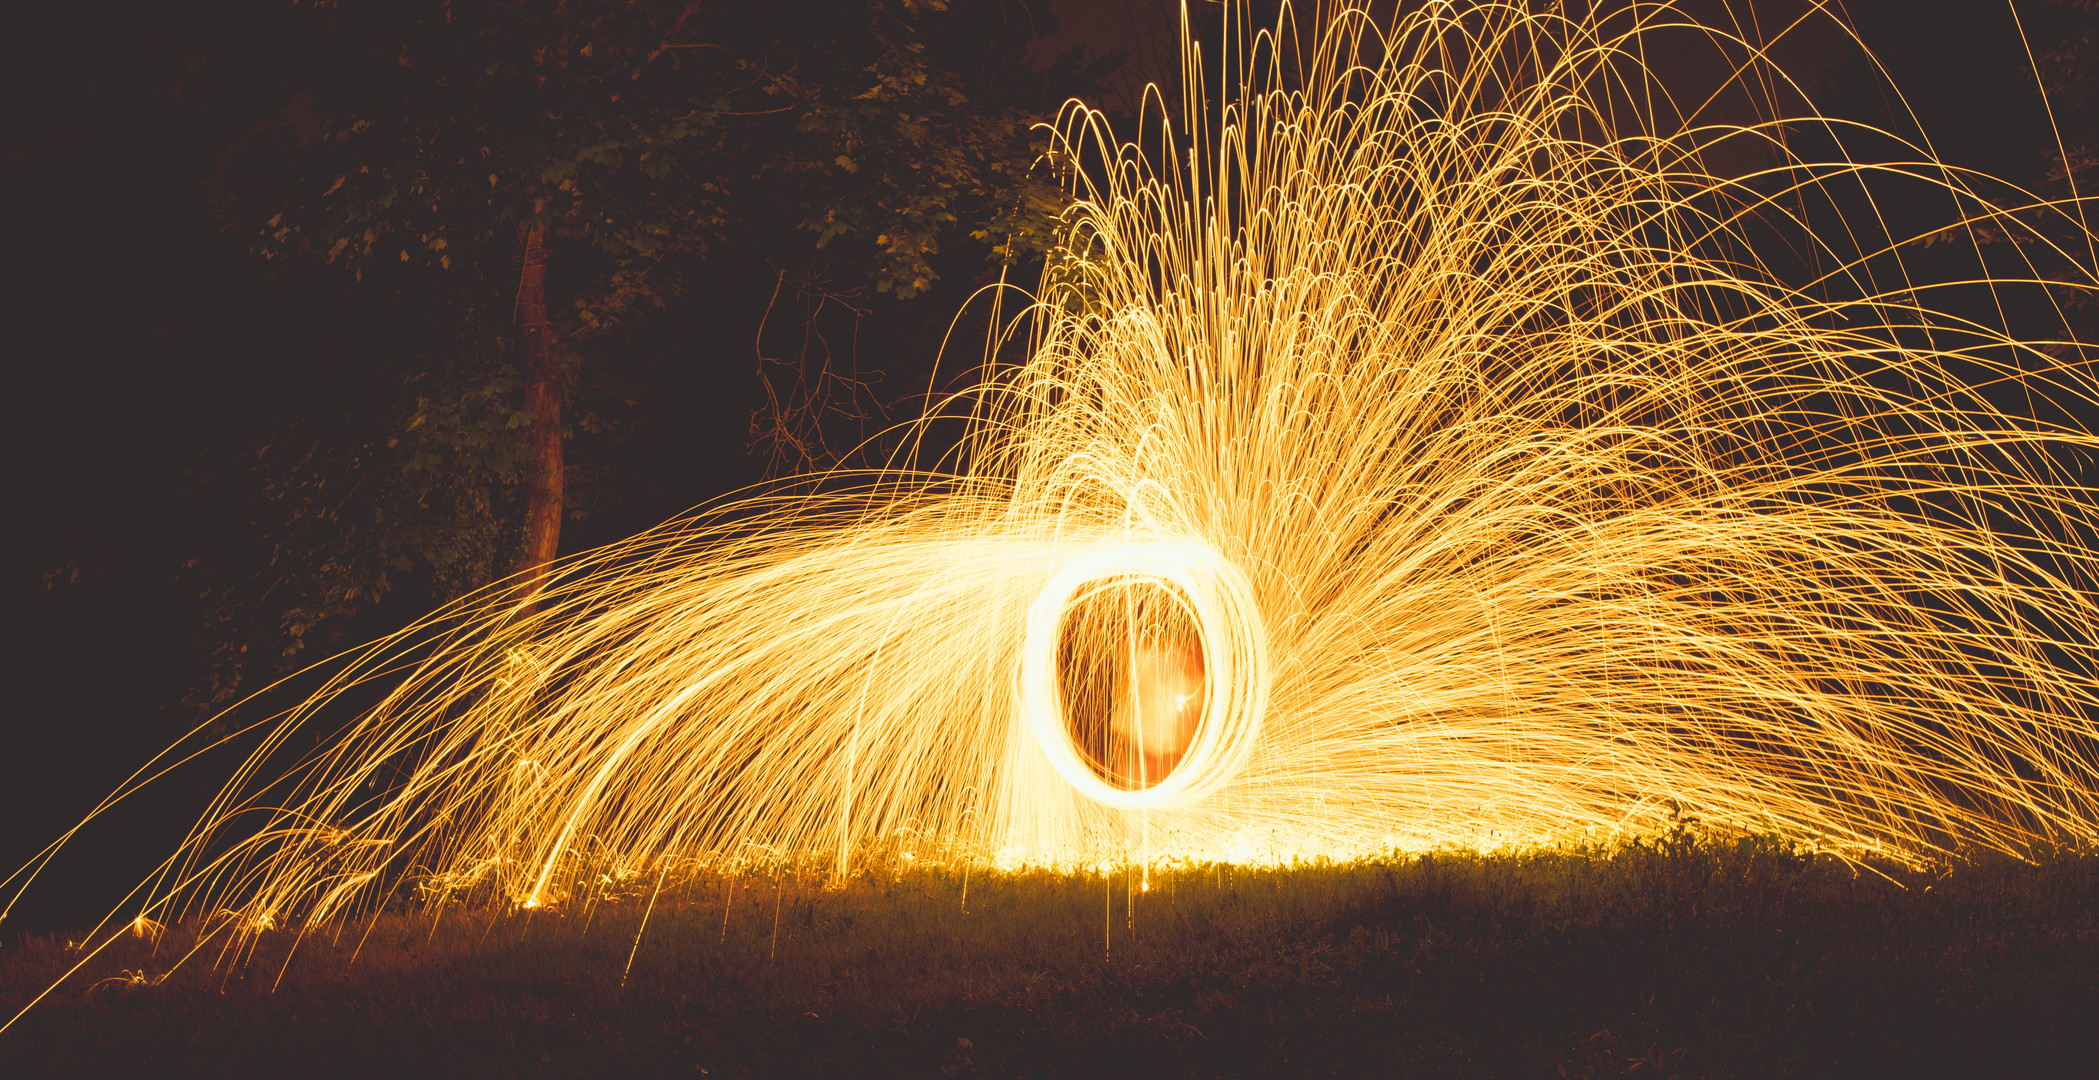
pixel 1738 959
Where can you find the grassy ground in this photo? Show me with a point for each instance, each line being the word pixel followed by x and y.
pixel 1676 959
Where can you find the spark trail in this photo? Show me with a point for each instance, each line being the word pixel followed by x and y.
pixel 1418 445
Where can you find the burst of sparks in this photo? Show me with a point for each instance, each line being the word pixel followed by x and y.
pixel 1499 484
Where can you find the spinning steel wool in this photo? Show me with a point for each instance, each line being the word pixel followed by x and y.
pixel 1423 447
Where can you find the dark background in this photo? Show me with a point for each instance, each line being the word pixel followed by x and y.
pixel 147 352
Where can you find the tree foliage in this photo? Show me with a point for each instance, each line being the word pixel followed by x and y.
pixel 647 141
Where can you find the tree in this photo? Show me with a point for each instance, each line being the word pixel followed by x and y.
pixel 512 124
pixel 554 171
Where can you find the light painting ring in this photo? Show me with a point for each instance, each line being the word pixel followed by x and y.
pixel 1235 665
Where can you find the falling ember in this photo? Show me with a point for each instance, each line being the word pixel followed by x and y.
pixel 1418 450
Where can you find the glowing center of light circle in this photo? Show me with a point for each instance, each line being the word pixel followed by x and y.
pixel 1235 667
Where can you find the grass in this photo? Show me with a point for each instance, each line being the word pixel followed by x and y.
pixel 1678 958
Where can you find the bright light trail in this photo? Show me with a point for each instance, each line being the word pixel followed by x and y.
pixel 1419 447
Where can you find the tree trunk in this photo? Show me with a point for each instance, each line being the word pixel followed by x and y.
pixel 543 401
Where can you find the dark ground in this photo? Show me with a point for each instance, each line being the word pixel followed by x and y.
pixel 1676 959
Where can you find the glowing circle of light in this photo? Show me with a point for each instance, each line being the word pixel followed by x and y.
pixel 1572 519
pixel 1235 664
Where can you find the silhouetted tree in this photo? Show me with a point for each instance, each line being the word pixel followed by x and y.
pixel 554 171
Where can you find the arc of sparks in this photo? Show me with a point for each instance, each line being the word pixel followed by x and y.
pixel 1520 485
